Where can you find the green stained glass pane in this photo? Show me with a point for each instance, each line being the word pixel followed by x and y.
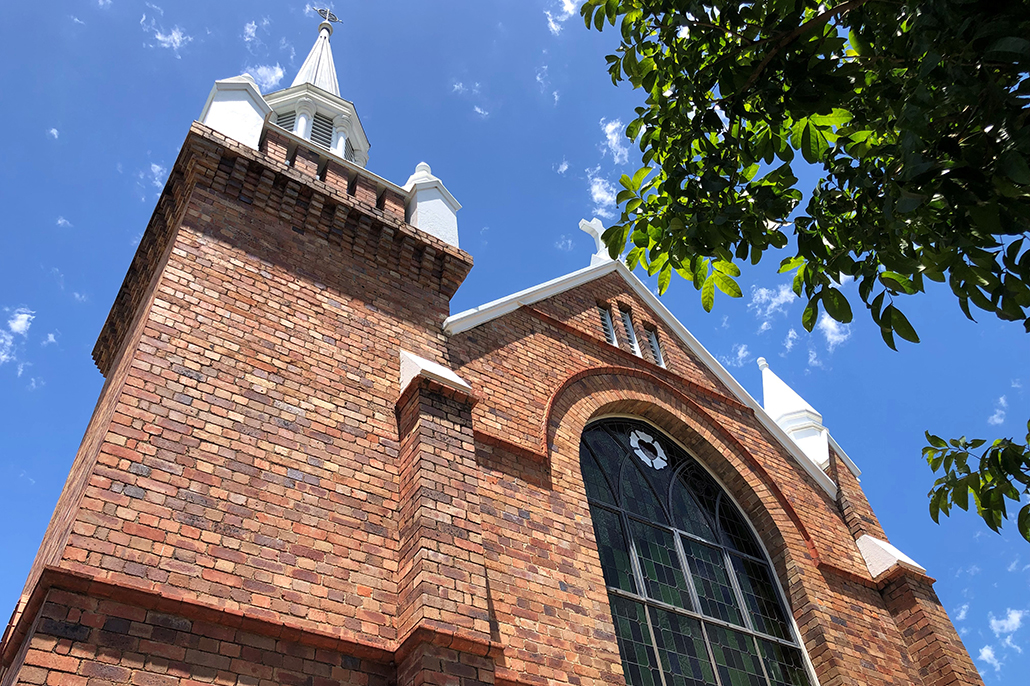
pixel 735 533
pixel 612 549
pixel 608 453
pixel 785 665
pixel 635 647
pixel 687 515
pixel 735 657
pixel 681 649
pixel 702 486
pixel 714 592
pixel 637 495
pixel 760 597
pixel 597 486
pixel 660 564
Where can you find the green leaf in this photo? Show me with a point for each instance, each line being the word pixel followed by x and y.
pixel 811 313
pixel 726 284
pixel 639 177
pixel 935 441
pixel 1015 167
pixel 900 324
pixel 708 294
pixel 664 277
pixel 837 306
pixel 726 267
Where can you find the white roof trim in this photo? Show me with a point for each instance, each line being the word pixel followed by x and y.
pixel 881 556
pixel 469 319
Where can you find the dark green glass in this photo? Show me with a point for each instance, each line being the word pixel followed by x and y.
pixel 735 533
pixel 714 589
pixel 681 649
pixel 608 453
pixel 612 549
pixel 735 657
pixel 760 597
pixel 785 665
pixel 663 574
pixel 637 495
pixel 635 646
pixel 596 485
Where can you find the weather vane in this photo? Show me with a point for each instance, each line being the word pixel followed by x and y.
pixel 328 16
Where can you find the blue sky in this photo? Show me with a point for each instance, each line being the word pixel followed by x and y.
pixel 510 103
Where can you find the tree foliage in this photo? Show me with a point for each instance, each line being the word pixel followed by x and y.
pixel 914 112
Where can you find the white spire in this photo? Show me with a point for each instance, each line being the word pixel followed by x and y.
pixel 318 69
pixel 795 416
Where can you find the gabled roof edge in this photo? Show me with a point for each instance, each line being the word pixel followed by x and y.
pixel 469 319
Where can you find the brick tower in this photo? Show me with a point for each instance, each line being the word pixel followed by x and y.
pixel 302 470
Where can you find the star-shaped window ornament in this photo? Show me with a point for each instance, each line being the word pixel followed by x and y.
pixel 648 449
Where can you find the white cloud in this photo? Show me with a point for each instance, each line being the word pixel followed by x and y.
pixel 998 418
pixel 564 243
pixel 22 366
pixel 615 140
pixel 1011 622
pixel 266 76
pixel 480 111
pixel 835 332
pixel 76 20
pixel 6 347
pixel 1013 566
pixel 21 320
pixel 766 303
pixel 286 46
pixel 741 356
pixel 158 174
pixel 64 223
pixel 556 98
pixel 250 32
pixel 50 340
pixel 987 655
pixel 563 167
pixel 458 87
pixel 790 341
pixel 1017 383
pixel 1009 643
pixel 80 297
pixel 103 3
pixel 35 383
pixel 813 359
pixel 603 193
pixel 53 133
pixel 557 19
pixel 172 40
pixel 960 614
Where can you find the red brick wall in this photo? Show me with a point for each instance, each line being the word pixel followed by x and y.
pixel 256 464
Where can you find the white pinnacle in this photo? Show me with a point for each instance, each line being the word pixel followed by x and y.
pixel 318 69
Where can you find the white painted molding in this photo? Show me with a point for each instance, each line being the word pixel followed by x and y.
pixel 335 108
pixel 414 367
pixel 430 206
pixel 236 109
pixel 476 316
pixel 881 556
pixel 594 228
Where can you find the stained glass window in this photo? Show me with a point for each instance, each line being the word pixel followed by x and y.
pixel 692 595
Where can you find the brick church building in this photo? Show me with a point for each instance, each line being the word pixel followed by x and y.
pixel 304 470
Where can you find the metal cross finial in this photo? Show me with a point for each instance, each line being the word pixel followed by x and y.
pixel 328 15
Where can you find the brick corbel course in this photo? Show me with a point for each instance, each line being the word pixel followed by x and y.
pixel 442 590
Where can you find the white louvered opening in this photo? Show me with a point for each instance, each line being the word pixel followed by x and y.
pixel 607 326
pixel 285 120
pixel 631 335
pixel 322 131
pixel 656 348
pixel 348 152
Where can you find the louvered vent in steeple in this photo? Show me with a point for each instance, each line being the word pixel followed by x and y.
pixel 286 120
pixel 322 131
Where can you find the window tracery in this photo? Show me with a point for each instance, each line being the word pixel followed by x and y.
pixel 692 594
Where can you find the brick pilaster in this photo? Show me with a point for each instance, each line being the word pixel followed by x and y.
pixel 441 571
pixel 935 647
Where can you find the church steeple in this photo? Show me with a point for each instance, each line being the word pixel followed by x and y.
pixel 318 69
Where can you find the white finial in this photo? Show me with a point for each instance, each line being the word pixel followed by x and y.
pixel 762 364
pixel 595 228
pixel 423 168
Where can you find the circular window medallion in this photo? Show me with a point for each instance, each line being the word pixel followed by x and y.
pixel 648 449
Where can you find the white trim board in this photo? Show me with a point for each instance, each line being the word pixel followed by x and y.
pixel 469 319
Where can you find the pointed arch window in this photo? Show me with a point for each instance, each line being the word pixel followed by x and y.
pixel 692 593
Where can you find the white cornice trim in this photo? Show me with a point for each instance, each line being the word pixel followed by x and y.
pixel 474 317
pixel 325 102
pixel 414 367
